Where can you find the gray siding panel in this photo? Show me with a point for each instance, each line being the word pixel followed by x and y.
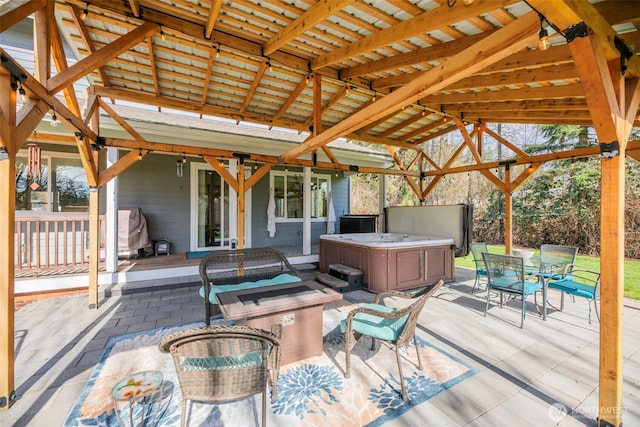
pixel 152 184
pixel 290 233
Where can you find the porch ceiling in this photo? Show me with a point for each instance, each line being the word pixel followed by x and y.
pixel 394 72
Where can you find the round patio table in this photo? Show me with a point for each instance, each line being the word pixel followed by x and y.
pixel 137 388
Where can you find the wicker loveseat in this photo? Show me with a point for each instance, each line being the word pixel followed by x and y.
pixel 236 269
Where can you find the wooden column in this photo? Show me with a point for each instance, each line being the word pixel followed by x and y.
pixel 241 195
pixel 94 225
pixel 613 104
pixel 508 211
pixel 7 225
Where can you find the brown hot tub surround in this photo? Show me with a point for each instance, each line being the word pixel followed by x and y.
pixel 390 261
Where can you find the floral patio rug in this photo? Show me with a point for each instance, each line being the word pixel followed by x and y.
pixel 311 392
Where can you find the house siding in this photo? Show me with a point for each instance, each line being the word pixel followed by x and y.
pixel 152 185
pixel 290 233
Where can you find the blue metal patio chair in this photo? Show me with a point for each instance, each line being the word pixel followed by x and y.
pixel 506 274
pixel 580 283
pixel 477 248
pixel 556 261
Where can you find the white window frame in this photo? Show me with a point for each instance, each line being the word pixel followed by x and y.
pixel 306 191
pixel 48 155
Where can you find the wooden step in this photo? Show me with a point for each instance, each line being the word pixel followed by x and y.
pixel 345 269
pixel 330 280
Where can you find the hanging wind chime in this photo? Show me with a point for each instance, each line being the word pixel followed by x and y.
pixel 34 160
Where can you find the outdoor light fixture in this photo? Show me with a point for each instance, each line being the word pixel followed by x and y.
pixel 162 36
pixel 140 154
pixel 54 118
pixel 22 92
pixel 609 150
pixel 4 154
pixel 179 168
pixel 269 65
pixel 85 12
pixel 543 35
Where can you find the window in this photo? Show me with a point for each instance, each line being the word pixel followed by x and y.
pixel 69 192
pixel 288 188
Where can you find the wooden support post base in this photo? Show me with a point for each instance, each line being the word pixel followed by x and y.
pixel 603 423
pixel 6 403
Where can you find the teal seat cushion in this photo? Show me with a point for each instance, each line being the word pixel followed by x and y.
pixel 574 288
pixel 278 280
pixel 375 326
pixel 222 363
pixel 510 284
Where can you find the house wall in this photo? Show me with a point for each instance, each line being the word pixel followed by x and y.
pixel 153 186
pixel 290 233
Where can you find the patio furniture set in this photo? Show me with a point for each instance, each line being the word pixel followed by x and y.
pixel 259 290
pixel 521 274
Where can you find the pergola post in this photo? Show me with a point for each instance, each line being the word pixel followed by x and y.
pixel 613 104
pixel 241 200
pixel 94 226
pixel 7 230
pixel 508 211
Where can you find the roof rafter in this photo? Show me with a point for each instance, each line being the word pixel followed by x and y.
pixel 507 40
pixel 423 23
pixel 314 15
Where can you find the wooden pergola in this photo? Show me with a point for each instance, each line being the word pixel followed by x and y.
pixel 393 73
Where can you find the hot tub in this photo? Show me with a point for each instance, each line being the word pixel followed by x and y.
pixel 390 261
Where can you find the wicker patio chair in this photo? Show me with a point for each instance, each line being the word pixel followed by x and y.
pixel 217 364
pixel 392 325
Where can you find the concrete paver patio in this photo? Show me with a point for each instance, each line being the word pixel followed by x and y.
pixel 544 375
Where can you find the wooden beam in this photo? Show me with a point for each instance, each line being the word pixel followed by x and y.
pixel 302 84
pixel 86 40
pixel 60 60
pixel 254 85
pixel 213 53
pixel 190 106
pixel 600 94
pixel 118 167
pixel 522 93
pixel 44 21
pixel 565 13
pixel 509 39
pixel 257 175
pixel 101 57
pixel 214 10
pixel 197 31
pixel 154 70
pixel 430 20
pixel 135 7
pixel 28 118
pixel 436 52
pixel 122 122
pixel 540 75
pixel 502 141
pixel 223 172
pixel 15 11
pixel 312 16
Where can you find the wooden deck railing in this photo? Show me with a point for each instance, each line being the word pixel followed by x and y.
pixel 51 242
